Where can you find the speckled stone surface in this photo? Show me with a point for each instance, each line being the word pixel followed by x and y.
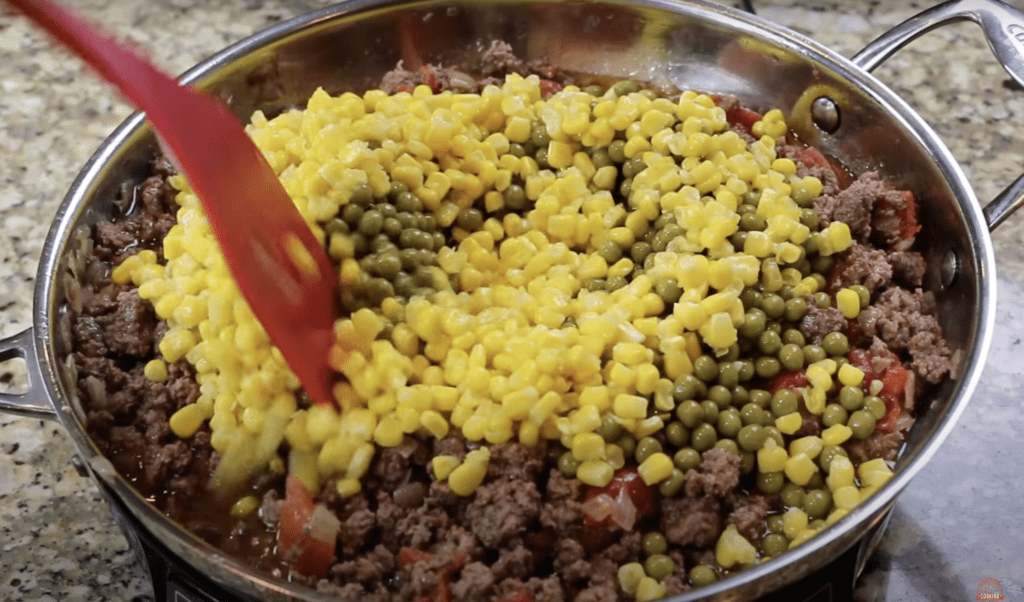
pixel 957 523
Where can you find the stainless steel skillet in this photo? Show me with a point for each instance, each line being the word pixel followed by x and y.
pixel 837 105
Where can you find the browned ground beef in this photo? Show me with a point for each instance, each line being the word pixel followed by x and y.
pixel 523 529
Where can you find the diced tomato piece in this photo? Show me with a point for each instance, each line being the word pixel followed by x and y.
pixel 908 216
pixel 407 556
pixel 626 480
pixel 894 383
pixel 549 87
pixel 812 157
pixel 429 79
pixel 296 514
pixel 742 118
pixel 793 380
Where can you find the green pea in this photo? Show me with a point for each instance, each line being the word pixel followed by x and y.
pixel 835 343
pixel 729 423
pixel 677 434
pixel 654 543
pixel 408 202
pixel 774 544
pixel 645 448
pixel 863 293
pixel 834 414
pixel 673 484
pixel 732 354
pixel 728 445
pixel 740 396
pixel 705 368
pixel 770 343
pixel 827 453
pixel 817 503
pixel 822 300
pixel 814 353
pixel 568 465
pixel 610 428
pixel 760 398
pixel 772 432
pixel 515 197
pixel 633 166
pixel 851 398
pixel 624 87
pixel 796 309
pixel 767 367
pixel 539 134
pixel 594 90
pixel 786 292
pixel 720 395
pixel 751 437
pixel 639 252
pixel 362 195
pixel 773 306
pixel 616 150
pixel 753 324
pixel 862 423
pixel 686 458
pixel 686 387
pixel 669 291
pixel 746 370
pixel 690 413
pixel 711 410
pixel 541 157
pixel 782 402
pixel 702 574
pixel 770 483
pixel 729 373
pixel 599 157
pixel 628 445
pixel 776 523
pixel 747 462
pixel 703 437
pixel 751 222
pixel 615 283
pixel 875 406
pixel 792 495
pixel 819 278
pixel 470 220
pixel 388 265
pixel 517 150
pixel 792 336
pixel 378 289
pixel 791 356
pixel 371 223
pixel 817 481
pixel 751 299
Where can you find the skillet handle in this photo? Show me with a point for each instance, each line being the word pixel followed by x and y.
pixel 34 403
pixel 1003 26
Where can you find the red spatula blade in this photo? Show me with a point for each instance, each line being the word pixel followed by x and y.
pixel 279 266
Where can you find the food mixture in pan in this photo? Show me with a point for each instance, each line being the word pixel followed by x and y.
pixel 601 343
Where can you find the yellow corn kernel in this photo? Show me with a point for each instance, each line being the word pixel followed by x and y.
pixel 656 468
pixel 629 576
pixel 837 434
pixel 771 457
pixel 850 375
pixel 434 423
pixel 794 521
pixel 649 589
pixel 630 354
pixel 846 497
pixel 733 549
pixel 245 506
pixel 835 516
pixel 809 446
pixel 814 399
pixel 874 472
pixel 614 455
pixel 595 472
pixel 348 487
pixel 443 466
pixel 848 302
pixel 840 473
pixel 835 239
pixel 790 423
pixel 630 406
pixel 802 537
pixel 388 432
pixel 155 370
pixel 465 478
pixel 185 422
pixel 588 446
pixel 800 468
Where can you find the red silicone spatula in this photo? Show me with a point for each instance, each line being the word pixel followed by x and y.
pixel 278 264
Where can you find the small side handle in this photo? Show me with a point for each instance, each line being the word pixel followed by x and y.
pixel 34 403
pixel 1003 26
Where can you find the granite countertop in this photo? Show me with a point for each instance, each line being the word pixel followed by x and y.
pixel 956 524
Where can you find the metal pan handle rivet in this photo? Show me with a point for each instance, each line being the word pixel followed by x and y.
pixel 948 269
pixel 825 114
